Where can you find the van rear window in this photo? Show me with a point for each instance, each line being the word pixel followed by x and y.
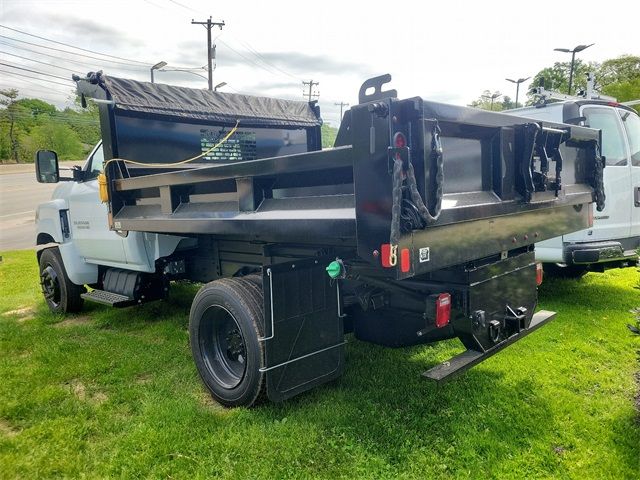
pixel 613 146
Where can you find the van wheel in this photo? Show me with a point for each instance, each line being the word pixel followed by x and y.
pixel 560 270
pixel 225 323
pixel 60 293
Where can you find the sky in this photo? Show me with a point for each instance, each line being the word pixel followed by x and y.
pixel 446 51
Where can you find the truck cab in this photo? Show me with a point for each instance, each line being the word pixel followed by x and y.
pixel 614 238
pixel 78 223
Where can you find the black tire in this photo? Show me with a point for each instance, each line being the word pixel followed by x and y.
pixel 565 271
pixel 60 293
pixel 225 323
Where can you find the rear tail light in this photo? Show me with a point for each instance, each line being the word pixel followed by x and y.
pixel 385 251
pixel 405 260
pixel 443 310
pixel 539 274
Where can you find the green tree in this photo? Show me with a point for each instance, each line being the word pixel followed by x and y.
pixel 55 135
pixel 329 134
pixel 485 102
pixel 10 120
pixel 557 77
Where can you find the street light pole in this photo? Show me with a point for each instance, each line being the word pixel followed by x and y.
pixel 157 66
pixel 492 97
pixel 517 82
pixel 573 52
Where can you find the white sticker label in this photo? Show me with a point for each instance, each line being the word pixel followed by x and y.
pixel 117 225
pixel 424 254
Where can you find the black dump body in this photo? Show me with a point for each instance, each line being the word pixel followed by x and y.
pixel 416 198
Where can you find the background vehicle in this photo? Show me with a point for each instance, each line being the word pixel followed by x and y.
pixel 417 226
pixel 614 238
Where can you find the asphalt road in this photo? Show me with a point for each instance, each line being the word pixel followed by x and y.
pixel 20 194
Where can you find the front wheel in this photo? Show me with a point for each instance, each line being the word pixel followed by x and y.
pixel 60 293
pixel 225 324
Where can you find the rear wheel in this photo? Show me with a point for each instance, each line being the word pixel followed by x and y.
pixel 225 324
pixel 560 270
pixel 60 293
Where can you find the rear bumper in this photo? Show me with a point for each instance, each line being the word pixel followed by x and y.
pixel 596 252
pixel 464 361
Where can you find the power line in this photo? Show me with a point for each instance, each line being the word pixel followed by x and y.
pixel 66 51
pixel 211 49
pixel 311 93
pixel 34 71
pixel 39 79
pixel 38 61
pixel 183 6
pixel 73 46
pixel 261 57
pixel 342 105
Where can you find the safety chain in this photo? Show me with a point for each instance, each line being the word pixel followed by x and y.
pixel 598 178
pixel 396 194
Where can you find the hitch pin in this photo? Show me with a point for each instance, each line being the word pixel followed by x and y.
pixel 393 255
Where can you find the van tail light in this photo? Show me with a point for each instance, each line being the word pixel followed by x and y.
pixel 443 310
pixel 539 274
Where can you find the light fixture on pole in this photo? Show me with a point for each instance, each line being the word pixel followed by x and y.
pixel 157 66
pixel 517 82
pixel 220 85
pixel 573 52
pixel 493 96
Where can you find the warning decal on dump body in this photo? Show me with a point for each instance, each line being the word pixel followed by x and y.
pixel 424 254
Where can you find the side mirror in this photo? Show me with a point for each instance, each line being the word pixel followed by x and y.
pixel 47 170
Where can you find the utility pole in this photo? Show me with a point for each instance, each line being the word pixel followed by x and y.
pixel 342 104
pixel 210 48
pixel 311 93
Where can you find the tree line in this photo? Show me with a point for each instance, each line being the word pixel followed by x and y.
pixel 30 124
pixel 617 77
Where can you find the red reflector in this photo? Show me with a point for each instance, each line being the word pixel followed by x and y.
pixel 443 310
pixel 539 274
pixel 385 251
pixel 399 140
pixel 405 260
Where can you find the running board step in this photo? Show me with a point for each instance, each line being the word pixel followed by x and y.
pixel 109 298
pixel 465 360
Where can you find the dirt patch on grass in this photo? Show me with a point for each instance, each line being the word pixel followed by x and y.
pixel 73 322
pixel 7 430
pixel 206 400
pixel 84 394
pixel 23 313
pixel 143 379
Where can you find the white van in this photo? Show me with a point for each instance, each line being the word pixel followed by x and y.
pixel 614 239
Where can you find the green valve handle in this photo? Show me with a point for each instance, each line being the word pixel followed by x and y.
pixel 334 269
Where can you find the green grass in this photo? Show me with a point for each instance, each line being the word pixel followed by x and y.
pixel 114 393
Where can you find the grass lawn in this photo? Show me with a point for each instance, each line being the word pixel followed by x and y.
pixel 114 393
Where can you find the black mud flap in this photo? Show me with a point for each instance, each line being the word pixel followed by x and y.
pixel 304 336
pixel 464 361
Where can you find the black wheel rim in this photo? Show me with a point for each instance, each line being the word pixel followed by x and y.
pixel 223 347
pixel 50 285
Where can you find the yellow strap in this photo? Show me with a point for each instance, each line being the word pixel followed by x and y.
pixel 102 177
pixel 182 162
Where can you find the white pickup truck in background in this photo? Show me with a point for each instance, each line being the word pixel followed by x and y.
pixel 614 239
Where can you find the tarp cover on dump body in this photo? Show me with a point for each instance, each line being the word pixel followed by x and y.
pixel 192 103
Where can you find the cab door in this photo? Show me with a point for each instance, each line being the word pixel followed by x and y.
pixel 614 221
pixel 88 218
pixel 631 124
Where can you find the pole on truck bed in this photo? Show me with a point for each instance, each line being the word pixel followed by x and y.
pixel 210 48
